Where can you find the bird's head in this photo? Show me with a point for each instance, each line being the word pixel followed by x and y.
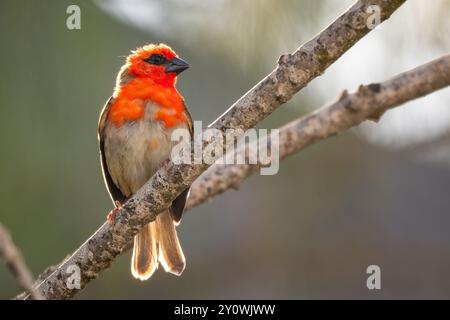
pixel 157 62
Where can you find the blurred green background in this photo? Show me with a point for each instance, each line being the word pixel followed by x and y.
pixel 375 195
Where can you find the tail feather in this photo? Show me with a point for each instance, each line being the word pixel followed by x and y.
pixel 145 253
pixel 157 241
pixel 171 255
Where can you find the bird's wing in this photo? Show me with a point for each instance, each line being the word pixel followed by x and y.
pixel 114 191
pixel 177 207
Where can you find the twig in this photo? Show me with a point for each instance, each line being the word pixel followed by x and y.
pixel 14 260
pixel 294 71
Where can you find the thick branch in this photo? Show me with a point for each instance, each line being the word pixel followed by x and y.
pixel 294 71
pixel 368 103
pixel 14 260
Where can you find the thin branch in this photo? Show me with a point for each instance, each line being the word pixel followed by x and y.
pixel 14 260
pixel 294 71
pixel 367 103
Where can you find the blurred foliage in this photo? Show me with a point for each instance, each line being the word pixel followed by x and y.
pixel 308 232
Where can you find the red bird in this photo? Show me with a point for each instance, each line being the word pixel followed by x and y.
pixel 134 133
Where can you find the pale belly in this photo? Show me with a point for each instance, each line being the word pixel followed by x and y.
pixel 135 151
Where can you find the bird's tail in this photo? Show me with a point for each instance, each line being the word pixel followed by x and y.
pixel 158 241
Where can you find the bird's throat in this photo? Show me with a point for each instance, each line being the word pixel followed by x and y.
pixel 131 98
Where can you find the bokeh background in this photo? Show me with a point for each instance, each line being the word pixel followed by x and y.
pixel 378 194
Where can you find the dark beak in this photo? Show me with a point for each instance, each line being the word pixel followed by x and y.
pixel 176 65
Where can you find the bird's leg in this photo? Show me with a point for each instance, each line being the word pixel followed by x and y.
pixel 112 214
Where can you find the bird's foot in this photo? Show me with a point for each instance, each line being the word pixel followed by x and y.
pixel 113 213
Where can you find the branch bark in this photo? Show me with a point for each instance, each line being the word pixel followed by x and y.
pixel 14 260
pixel 294 71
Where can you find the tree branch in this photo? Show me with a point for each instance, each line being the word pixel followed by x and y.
pixel 14 260
pixel 367 103
pixel 294 71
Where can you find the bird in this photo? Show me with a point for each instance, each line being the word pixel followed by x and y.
pixel 134 133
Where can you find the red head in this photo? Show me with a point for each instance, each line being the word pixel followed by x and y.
pixel 157 62
pixel 149 74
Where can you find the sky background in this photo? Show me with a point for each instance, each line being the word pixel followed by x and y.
pixel 377 194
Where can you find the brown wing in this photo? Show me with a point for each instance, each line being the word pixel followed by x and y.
pixel 176 210
pixel 114 191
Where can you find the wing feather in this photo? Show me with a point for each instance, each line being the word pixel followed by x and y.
pixel 177 208
pixel 114 192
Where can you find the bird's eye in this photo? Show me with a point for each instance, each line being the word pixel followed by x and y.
pixel 156 59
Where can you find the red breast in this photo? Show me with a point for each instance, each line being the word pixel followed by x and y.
pixel 131 98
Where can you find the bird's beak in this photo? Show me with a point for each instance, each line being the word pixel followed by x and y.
pixel 176 65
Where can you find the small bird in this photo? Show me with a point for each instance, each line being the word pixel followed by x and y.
pixel 134 133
